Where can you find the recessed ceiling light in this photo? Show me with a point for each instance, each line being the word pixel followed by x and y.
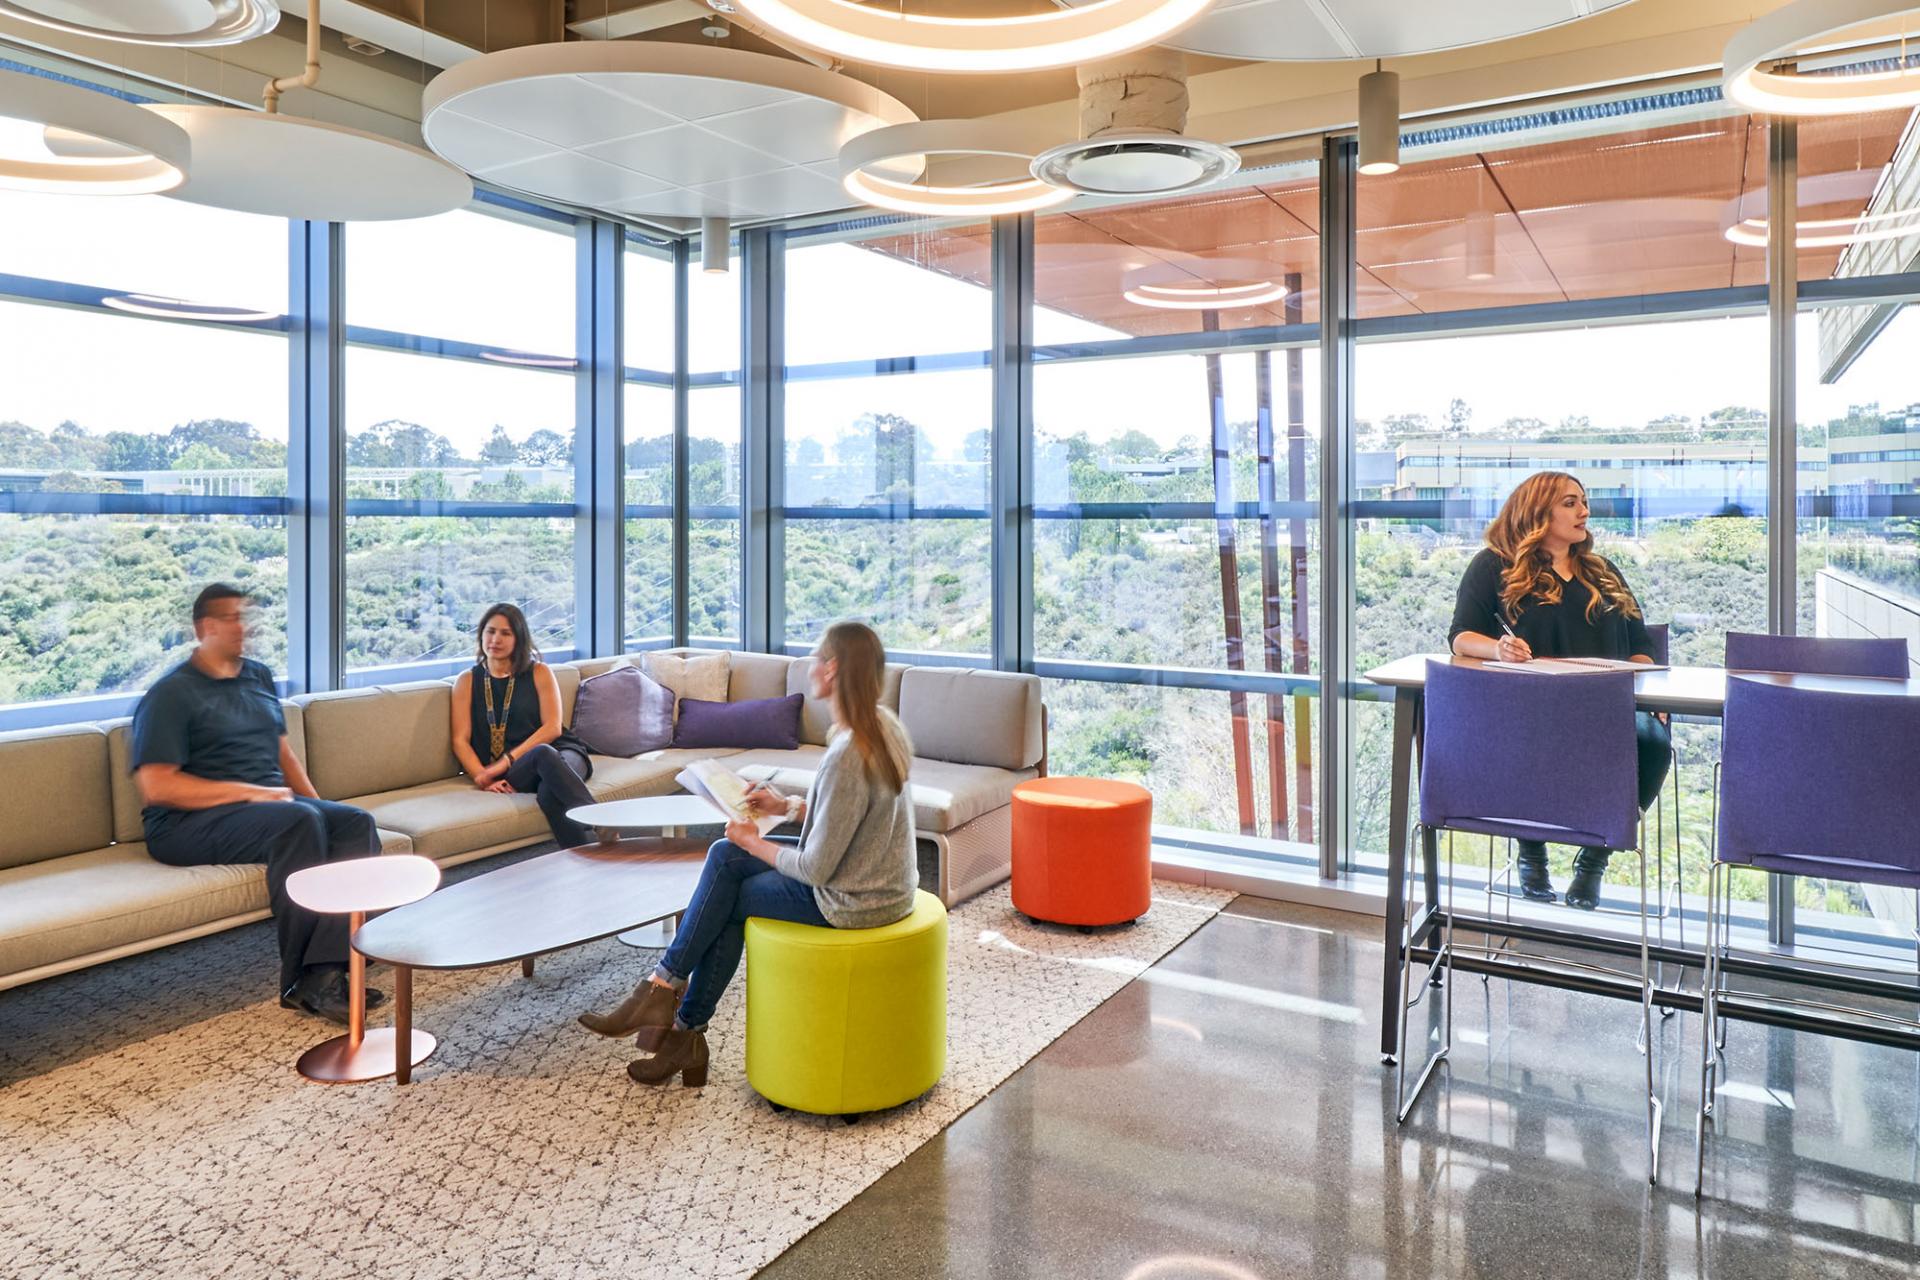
pixel 1135 164
pixel 924 42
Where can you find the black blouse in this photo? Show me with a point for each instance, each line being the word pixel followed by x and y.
pixel 1551 630
pixel 522 715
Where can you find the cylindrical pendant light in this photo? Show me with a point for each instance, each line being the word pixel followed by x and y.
pixel 715 252
pixel 1379 121
pixel 61 138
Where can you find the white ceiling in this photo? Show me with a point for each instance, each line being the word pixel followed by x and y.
pixel 1323 30
pixel 667 130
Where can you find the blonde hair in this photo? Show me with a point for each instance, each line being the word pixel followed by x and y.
pixel 1516 536
pixel 860 667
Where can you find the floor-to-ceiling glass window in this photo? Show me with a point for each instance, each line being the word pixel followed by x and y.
pixel 1176 538
pixel 715 408
pixel 460 411
pixel 648 422
pixel 143 439
pixel 888 423
pixel 1858 438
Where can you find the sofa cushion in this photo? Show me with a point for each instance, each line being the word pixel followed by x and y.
pixel 591 667
pixel 816 717
pixel 58 797
pixel 651 774
pixel 394 841
pixel 569 680
pixel 757 675
pixel 371 741
pixel 103 898
pixel 624 712
pixel 945 795
pixel 972 717
pixel 690 675
pixel 758 722
pixel 453 816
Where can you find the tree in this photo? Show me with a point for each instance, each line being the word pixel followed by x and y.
pixel 977 445
pixel 499 450
pixel 1459 417
pixel 1134 444
pixel 807 452
pixel 545 448
pixel 201 456
pixel 22 446
pixel 126 451
pixel 1400 426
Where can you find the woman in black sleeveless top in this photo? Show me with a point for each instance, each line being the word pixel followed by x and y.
pixel 506 725
pixel 1539 590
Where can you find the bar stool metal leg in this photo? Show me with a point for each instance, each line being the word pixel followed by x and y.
pixel 1413 994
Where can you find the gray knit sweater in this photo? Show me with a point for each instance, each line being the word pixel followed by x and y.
pixel 856 845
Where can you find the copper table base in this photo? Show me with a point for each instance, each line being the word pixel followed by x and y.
pixel 341 1061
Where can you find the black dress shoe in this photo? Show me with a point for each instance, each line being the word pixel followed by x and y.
pixel 324 993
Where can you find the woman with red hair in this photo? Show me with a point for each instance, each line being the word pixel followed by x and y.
pixel 1539 590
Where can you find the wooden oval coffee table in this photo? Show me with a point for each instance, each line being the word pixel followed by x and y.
pixel 670 817
pixel 562 899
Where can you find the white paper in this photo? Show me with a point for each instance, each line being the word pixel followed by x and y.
pixel 726 791
pixel 1572 666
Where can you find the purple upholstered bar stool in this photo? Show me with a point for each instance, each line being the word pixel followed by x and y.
pixel 1812 783
pixel 1494 764
pixel 1817 655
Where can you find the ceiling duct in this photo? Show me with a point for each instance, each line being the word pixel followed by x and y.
pixel 1133 117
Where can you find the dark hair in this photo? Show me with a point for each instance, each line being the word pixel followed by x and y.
pixel 213 594
pixel 525 652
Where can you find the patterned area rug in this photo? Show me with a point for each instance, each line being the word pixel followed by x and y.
pixel 187 1146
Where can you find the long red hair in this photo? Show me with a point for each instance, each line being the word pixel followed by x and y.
pixel 1517 536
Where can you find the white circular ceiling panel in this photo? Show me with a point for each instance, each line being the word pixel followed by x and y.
pixel 1337 30
pixel 292 167
pixel 669 130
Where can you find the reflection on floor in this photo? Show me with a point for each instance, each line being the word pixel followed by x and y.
pixel 1226 1117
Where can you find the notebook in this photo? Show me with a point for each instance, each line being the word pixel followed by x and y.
pixel 1574 666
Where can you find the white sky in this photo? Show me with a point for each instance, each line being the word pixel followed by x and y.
pixel 843 303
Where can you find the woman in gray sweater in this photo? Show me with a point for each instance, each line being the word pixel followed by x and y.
pixel 853 866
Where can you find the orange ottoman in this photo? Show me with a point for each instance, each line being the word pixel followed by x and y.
pixel 1082 850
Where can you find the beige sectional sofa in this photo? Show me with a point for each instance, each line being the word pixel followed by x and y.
pixel 77 887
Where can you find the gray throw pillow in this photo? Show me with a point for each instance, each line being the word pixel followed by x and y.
pixel 623 712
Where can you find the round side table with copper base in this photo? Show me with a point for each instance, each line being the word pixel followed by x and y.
pixel 353 888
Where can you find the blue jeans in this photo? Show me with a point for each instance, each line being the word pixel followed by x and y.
pixel 705 953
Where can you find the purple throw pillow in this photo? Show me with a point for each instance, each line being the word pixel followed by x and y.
pixel 623 712
pixel 756 722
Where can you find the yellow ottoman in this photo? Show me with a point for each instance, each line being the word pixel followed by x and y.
pixel 843 1021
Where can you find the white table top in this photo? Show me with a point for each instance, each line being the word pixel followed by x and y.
pixel 648 813
pixel 364 884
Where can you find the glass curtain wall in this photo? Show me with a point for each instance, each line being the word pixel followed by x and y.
pixel 888 423
pixel 716 405
pixel 648 326
pixel 460 412
pixel 1176 541
pixel 143 441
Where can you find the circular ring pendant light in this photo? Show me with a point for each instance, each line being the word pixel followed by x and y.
pixel 922 42
pixel 105 146
pixel 864 161
pixel 177 23
pixel 153 304
pixel 1204 297
pixel 1801 25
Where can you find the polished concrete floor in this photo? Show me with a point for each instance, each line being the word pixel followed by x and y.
pixel 1226 1117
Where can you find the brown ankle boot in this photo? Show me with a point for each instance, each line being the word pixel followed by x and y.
pixel 651 1005
pixel 684 1052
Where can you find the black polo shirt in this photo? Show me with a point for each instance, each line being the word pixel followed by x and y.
pixel 221 730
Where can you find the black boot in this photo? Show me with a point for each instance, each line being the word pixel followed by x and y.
pixel 1534 885
pixel 1584 893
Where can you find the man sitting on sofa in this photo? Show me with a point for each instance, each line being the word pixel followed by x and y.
pixel 221 785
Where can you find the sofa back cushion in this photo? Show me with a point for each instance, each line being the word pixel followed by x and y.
pixel 360 741
pixel 751 676
pixel 816 715
pixel 590 667
pixel 127 825
pixel 57 798
pixel 624 712
pixel 569 681
pixel 758 722
pixel 972 717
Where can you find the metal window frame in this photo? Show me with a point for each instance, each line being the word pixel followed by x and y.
pixel 1339 162
pixel 316 457
pixel 1011 448
pixel 763 485
pixel 599 454
pixel 679 538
